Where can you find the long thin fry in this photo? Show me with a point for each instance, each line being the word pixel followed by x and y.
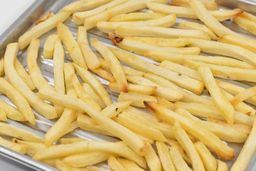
pixel 89 90
pixel 177 159
pixel 13 146
pixel 136 16
pixel 129 165
pixel 115 165
pixel 165 157
pixel 246 24
pixel 116 108
pixel 248 93
pixel 153 160
pixel 49 46
pixel 11 111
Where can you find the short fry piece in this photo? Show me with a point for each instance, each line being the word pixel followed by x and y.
pixel 49 46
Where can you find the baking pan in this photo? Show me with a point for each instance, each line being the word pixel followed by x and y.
pixel 26 20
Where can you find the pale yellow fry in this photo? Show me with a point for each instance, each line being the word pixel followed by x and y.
pixel 166 21
pixel 166 103
pixel 242 96
pixel 86 159
pixel 11 131
pixel 79 17
pixel 131 71
pixel 89 78
pixel 129 165
pixel 11 112
pixel 65 167
pixel 140 128
pixel 244 42
pixel 91 59
pixel 123 133
pixel 42 28
pixel 138 63
pixel 153 31
pixel 222 166
pixel 3 115
pixel 140 47
pixel 207 18
pixel 71 140
pixel 115 109
pixel 180 59
pixel 210 111
pixel 136 99
pixel 2 67
pixel 114 164
pixel 153 160
pixel 19 148
pixel 104 74
pixel 226 72
pixel 89 90
pixel 23 74
pixel 165 157
pixel 209 139
pixel 248 16
pixel 31 147
pixel 208 159
pixel 177 159
pixel 136 16
pixel 186 143
pixel 218 97
pixel 134 88
pixel 246 24
pixel 39 105
pixel 115 66
pixel 18 99
pixel 118 148
pixel 71 45
pixel 186 12
pixel 181 69
pixel 49 45
pixel 197 26
pixel 209 4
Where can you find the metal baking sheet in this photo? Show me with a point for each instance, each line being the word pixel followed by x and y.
pixel 43 124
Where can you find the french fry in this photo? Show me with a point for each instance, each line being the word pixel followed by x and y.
pixel 89 90
pixel 3 115
pixel 197 26
pixel 90 58
pixel 166 21
pixel 123 133
pixel 246 24
pixel 11 112
pixel 177 159
pixel 114 164
pixel 2 67
pixel 23 74
pixel 89 78
pixel 136 99
pixel 247 151
pixel 210 111
pixel 18 99
pixel 19 148
pixel 141 129
pixel 209 4
pixel 70 140
pixel 184 140
pixel 153 31
pixel 31 147
pixel 218 97
pixel 141 64
pixel 129 165
pixel 15 132
pixel 222 166
pixel 246 94
pixel 45 109
pixel 115 65
pixel 165 157
pixel 71 45
pixel 136 16
pixel 131 71
pixel 209 139
pixel 118 148
pixel 104 74
pixel 65 167
pixel 85 159
pixel 115 109
pixel 245 43
pixel 49 46
pixel 134 88
pixel 79 17
pixel 181 69
pixel 162 42
pixel 42 28
pixel 210 163
pixel 181 59
pixel 186 12
pixel 248 16
pixel 152 160
pixel 164 102
pixel 140 47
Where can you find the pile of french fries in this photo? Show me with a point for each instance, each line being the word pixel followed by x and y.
pixel 177 93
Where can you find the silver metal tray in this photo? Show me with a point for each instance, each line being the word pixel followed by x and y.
pixel 38 8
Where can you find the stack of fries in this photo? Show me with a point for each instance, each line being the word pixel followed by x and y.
pixel 175 109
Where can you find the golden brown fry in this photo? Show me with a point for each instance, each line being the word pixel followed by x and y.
pixel 71 45
pixel 91 59
pixel 45 109
pixel 123 133
pixel 49 46
pixel 209 139
pixel 42 28
pixel 153 31
pixel 177 159
pixel 114 164
pixel 115 65
pixel 136 16
pixel 165 157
